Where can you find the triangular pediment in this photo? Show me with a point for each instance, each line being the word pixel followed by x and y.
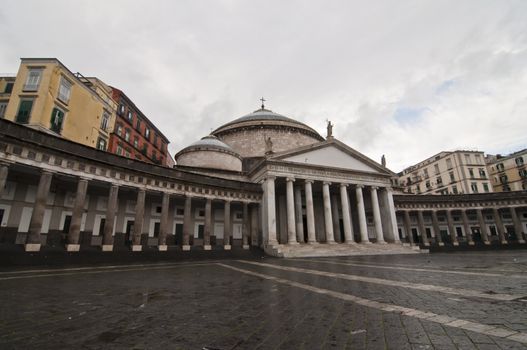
pixel 334 154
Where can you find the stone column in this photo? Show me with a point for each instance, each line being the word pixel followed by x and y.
pixel 270 202
pixel 138 221
pixel 208 224
pixel 298 215
pixel 422 228
pixel 245 226
pixel 451 228
pixel 76 216
pixel 107 242
pixel 468 232
pixel 310 213
pixel 377 215
pixel 187 221
pixel 437 230
pixel 482 227
pixel 391 208
pixel 328 217
pixel 291 225
pixel 227 225
pixel 254 225
pixel 346 217
pixel 37 216
pixel 363 225
pixel 4 169
pixel 499 225
pixel 163 223
pixel 518 228
pixel 408 227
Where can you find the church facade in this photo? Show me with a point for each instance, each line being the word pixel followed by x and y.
pixel 261 180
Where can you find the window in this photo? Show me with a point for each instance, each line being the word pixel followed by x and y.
pixel 105 120
pixel 8 88
pixel 486 187
pixel 155 140
pixel 467 158
pixel 127 154
pixel 478 159
pixel 130 116
pixel 471 172
pixel 119 150
pixel 426 173
pixel 522 173
pixel 428 184
pixel 138 124
pixel 24 111
pixel 120 110
pixel 519 161
pixel 3 106
pixel 33 79
pixel 127 135
pixel 101 144
pixel 136 142
pixel 147 134
pixel 449 163
pixel 500 167
pixel 474 187
pixel 482 173
pixel 452 177
pixel 436 168
pixel 120 130
pixel 504 178
pixel 454 189
pixel 64 90
pixel 439 181
pixel 57 119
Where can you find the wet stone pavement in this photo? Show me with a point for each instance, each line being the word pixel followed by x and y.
pixel 428 301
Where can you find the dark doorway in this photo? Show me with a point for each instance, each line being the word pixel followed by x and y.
pixel 415 235
pixel 67 224
pixel 179 234
pixel 201 230
pixel 101 226
pixel 476 234
pixel 157 228
pixel 511 232
pixel 1 215
pixel 304 221
pixel 341 226
pixel 128 232
pixel 445 236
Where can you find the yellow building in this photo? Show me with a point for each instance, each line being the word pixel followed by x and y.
pixel 47 96
pixel 6 86
pixel 508 173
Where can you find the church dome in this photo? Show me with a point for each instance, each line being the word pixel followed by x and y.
pixel 209 152
pixel 247 135
pixel 264 117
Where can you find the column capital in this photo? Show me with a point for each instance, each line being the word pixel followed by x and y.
pixel 359 186
pixel 375 188
pixel 342 184
pixel 309 181
pixel 83 179
pixel 326 183
pixel 270 177
pixel 290 179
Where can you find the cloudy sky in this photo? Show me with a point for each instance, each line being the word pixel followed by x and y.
pixel 402 78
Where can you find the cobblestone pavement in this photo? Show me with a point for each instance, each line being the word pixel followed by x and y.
pixel 425 301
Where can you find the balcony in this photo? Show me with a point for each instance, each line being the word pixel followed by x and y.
pixel 30 87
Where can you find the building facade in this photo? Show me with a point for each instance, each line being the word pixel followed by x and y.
pixel 317 198
pixel 508 173
pixel 457 172
pixel 135 136
pixel 6 87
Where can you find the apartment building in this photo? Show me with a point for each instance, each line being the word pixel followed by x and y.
pixel 508 173
pixel 448 172
pixel 47 96
pixel 6 87
pixel 135 136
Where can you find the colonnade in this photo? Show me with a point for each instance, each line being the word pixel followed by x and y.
pixel 481 214
pixel 295 227
pixel 33 238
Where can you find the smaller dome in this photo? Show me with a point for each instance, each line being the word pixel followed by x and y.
pixel 209 152
pixel 210 142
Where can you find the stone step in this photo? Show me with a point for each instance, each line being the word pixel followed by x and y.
pixel 339 249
